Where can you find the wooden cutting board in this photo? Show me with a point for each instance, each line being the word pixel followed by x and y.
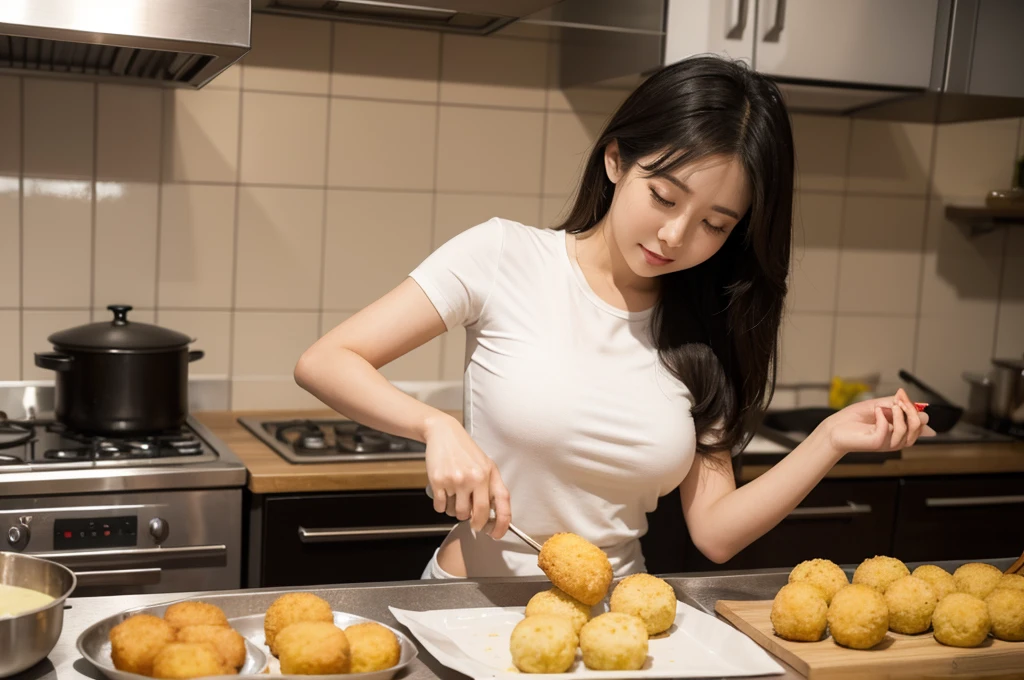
pixel 896 656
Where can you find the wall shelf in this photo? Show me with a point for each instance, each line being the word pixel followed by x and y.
pixel 982 220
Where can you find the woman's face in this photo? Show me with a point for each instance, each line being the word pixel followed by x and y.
pixel 663 224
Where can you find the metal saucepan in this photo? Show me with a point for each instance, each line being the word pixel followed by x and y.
pixel 27 639
pixel 119 377
pixel 942 413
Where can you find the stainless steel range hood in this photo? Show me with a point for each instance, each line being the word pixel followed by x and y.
pixel 476 17
pixel 173 42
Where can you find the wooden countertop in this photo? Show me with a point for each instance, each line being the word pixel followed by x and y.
pixel 928 459
pixel 269 473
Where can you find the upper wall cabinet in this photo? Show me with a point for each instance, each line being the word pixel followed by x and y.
pixel 870 42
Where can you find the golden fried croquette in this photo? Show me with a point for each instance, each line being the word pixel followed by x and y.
pixel 372 647
pixel 181 614
pixel 1006 611
pixel 136 641
pixel 543 643
pixel 648 597
pixel 1011 581
pixel 879 571
pixel 938 578
pixel 293 608
pixel 961 620
pixel 858 617
pixel 798 612
pixel 313 648
pixel 911 602
pixel 553 601
pixel 577 567
pixel 614 642
pixel 230 645
pixel 182 660
pixel 824 574
pixel 977 578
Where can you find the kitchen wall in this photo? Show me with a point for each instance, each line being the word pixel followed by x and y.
pixel 259 212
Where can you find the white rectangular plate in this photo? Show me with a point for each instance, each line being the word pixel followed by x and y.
pixel 475 642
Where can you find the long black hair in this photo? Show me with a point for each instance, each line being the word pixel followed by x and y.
pixel 716 325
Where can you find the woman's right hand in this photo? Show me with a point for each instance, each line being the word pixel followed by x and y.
pixel 464 481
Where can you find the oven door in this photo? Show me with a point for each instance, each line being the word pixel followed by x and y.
pixel 119 544
pixel 349 537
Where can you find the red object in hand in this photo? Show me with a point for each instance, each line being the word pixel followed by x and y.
pixel 920 406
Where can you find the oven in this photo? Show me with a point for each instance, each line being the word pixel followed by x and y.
pixel 345 537
pixel 128 543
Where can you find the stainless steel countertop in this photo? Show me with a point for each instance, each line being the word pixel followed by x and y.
pixel 372 601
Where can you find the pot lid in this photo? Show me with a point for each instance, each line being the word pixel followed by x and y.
pixel 119 334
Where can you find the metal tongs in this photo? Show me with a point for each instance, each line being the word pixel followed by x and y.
pixel 450 510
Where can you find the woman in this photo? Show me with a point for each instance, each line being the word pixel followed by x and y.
pixel 607 355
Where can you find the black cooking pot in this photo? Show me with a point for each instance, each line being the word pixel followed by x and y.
pixel 120 377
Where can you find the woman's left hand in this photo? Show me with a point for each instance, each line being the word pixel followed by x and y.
pixel 884 424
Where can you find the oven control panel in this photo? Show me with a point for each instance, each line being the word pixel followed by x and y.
pixel 100 532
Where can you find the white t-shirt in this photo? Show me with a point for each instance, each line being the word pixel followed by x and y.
pixel 563 391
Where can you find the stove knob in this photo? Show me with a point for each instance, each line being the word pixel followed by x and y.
pixel 159 529
pixel 17 536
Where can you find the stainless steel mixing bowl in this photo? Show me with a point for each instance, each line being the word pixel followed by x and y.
pixel 26 639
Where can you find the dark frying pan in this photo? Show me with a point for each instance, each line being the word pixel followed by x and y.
pixel 942 413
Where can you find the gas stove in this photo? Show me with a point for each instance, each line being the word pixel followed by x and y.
pixel 46 444
pixel 331 441
pixel 134 514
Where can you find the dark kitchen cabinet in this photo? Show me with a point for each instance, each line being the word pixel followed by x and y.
pixel 844 520
pixel 348 537
pixel 960 518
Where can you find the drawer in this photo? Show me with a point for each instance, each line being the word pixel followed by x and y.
pixel 962 518
pixel 841 520
pixel 349 538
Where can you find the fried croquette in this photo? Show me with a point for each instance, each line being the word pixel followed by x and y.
pixel 293 608
pixel 313 648
pixel 977 579
pixel 544 643
pixel 614 642
pixel 911 602
pixel 940 580
pixel 182 660
pixel 858 617
pixel 648 597
pixel 372 647
pixel 182 614
pixel 1006 612
pixel 230 645
pixel 577 567
pixel 1011 581
pixel 879 571
pixel 961 620
pixel 798 612
pixel 553 601
pixel 136 641
pixel 824 574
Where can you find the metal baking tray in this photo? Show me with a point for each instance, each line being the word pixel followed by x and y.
pixel 245 613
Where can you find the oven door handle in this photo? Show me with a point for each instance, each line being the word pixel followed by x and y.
pixel 139 557
pixel 118 577
pixel 372 533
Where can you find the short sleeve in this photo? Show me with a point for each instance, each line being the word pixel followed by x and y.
pixel 458 277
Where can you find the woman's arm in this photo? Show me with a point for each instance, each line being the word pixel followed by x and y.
pixel 722 520
pixel 341 370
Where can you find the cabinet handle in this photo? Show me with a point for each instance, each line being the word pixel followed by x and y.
pixel 972 501
pixel 736 32
pixel 847 510
pixel 775 31
pixel 372 533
